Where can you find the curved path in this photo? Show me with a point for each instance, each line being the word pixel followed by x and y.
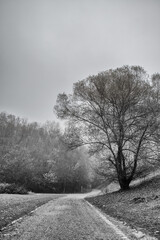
pixel 65 218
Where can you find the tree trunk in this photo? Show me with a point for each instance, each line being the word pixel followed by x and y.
pixel 123 179
pixel 124 184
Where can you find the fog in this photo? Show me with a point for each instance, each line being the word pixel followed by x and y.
pixel 47 45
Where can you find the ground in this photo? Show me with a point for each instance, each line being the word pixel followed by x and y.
pixel 71 217
pixel 13 206
pixel 67 217
pixel 138 207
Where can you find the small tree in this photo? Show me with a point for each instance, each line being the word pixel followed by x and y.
pixel 115 113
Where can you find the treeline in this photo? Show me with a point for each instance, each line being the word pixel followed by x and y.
pixel 36 157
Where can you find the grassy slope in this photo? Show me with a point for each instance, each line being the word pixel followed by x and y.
pixel 13 206
pixel 138 207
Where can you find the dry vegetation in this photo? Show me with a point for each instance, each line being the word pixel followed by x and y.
pixel 138 207
pixel 14 206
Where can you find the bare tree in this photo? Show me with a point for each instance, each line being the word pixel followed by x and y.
pixel 115 113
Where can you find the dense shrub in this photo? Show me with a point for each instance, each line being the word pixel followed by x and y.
pixel 12 188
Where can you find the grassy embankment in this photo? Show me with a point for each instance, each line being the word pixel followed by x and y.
pixel 139 207
pixel 14 206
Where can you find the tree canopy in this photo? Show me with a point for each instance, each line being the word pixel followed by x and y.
pixel 36 157
pixel 116 113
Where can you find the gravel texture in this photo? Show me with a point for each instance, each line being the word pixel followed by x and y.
pixel 13 206
pixel 65 218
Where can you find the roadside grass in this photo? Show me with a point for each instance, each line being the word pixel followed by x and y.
pixel 139 207
pixel 14 206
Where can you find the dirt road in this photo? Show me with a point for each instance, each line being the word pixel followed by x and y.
pixel 65 218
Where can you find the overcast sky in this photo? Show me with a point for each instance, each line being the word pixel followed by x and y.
pixel 47 45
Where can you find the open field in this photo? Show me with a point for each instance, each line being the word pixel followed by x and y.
pixel 138 207
pixel 13 206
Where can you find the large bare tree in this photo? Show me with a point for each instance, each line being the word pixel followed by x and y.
pixel 116 113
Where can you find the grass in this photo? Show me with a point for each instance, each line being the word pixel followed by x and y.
pixel 14 206
pixel 139 207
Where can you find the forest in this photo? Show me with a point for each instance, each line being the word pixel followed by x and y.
pixel 35 157
pixel 112 133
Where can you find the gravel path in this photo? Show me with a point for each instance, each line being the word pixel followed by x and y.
pixel 14 206
pixel 65 218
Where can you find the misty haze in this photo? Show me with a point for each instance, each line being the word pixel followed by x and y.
pixel 79 119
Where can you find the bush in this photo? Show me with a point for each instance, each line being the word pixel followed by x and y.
pixel 12 188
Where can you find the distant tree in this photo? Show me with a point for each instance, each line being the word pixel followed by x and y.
pixel 156 86
pixel 70 170
pixel 36 156
pixel 116 114
pixel 25 149
pixel 16 165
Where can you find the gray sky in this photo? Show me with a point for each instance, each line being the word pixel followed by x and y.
pixel 47 45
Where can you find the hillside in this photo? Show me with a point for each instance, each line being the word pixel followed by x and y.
pixel 139 207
